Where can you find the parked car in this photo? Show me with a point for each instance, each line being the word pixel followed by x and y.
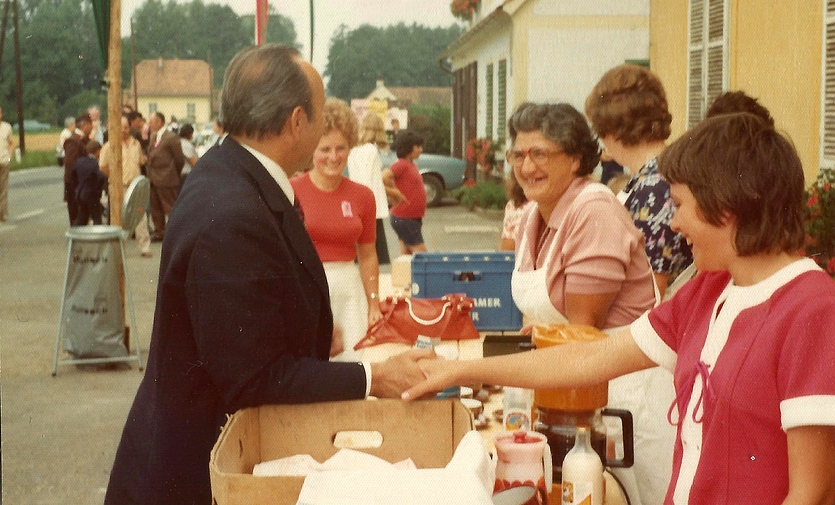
pixel 32 125
pixel 440 173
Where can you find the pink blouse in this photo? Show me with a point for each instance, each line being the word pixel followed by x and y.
pixel 597 250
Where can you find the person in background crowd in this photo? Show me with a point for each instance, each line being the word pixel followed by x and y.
pixel 165 161
pixel 137 130
pixel 74 148
pixel 132 159
pixel 366 168
pixel 242 316
pixel 517 202
pixel 732 102
pixel 750 340
pixel 217 127
pixel 404 188
pixel 609 168
pixel 339 215
pixel 99 131
pixel 6 149
pixel 628 111
pixel 88 181
pixel 186 136
pixel 69 129
pixel 127 109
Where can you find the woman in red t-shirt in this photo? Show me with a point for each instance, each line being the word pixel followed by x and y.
pixel 404 187
pixel 340 217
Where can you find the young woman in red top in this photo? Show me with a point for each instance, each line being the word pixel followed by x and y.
pixel 340 217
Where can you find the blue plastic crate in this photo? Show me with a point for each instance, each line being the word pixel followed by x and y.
pixel 484 277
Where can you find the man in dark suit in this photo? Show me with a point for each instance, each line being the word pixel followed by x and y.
pixel 243 316
pixel 165 161
pixel 75 147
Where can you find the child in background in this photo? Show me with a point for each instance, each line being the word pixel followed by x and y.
pixel 750 340
pixel 88 181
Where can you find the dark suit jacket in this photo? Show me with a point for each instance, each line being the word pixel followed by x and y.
pixel 166 160
pixel 87 179
pixel 242 319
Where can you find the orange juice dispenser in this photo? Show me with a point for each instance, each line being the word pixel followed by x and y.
pixel 559 412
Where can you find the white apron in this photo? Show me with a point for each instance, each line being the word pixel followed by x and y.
pixel 647 394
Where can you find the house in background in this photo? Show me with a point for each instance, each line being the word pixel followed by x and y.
pixel 537 50
pixel 178 88
pixel 393 103
pixel 781 52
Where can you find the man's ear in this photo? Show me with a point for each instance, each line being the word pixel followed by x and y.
pixel 297 122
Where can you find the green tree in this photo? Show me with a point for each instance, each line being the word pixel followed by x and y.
pixel 402 55
pixel 59 56
pixel 209 32
pixel 279 29
pixel 432 122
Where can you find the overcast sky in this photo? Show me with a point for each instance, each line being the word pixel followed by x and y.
pixel 329 14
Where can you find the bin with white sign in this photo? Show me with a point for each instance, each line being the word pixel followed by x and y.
pixel 483 276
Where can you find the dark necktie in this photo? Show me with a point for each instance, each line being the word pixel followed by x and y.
pixel 298 206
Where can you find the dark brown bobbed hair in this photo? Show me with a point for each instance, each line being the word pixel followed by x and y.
pixel 738 166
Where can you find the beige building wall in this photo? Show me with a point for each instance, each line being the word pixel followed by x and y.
pixel 774 55
pixel 668 56
pixel 177 107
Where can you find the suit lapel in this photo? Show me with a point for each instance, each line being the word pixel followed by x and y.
pixel 286 215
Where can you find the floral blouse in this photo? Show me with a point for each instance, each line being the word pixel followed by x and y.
pixel 652 209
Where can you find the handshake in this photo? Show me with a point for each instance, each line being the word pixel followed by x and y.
pixel 411 375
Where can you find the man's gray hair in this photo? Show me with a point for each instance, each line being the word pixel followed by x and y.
pixel 261 87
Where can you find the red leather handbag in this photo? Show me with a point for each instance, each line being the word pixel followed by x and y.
pixel 447 318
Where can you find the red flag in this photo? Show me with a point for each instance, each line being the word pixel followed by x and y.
pixel 262 14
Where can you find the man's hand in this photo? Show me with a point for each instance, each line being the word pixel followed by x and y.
pixel 391 377
pixel 439 376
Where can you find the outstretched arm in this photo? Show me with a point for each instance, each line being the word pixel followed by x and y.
pixel 811 471
pixel 562 366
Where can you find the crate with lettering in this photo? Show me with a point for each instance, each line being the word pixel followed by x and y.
pixel 483 276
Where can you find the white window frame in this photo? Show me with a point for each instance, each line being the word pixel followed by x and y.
pixel 703 47
pixel 827 107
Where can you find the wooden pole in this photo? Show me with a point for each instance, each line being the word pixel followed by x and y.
pixel 3 32
pixel 114 112
pixel 18 81
pixel 133 68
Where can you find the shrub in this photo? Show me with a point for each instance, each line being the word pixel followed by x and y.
pixel 820 221
pixel 485 195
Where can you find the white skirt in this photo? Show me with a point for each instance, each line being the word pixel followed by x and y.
pixel 349 306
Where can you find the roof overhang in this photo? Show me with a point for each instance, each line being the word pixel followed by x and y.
pixel 498 16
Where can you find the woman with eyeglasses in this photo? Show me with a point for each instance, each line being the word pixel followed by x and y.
pixel 579 257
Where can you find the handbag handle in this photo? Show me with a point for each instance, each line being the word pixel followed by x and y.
pixel 424 321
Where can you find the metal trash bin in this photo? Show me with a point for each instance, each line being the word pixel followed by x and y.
pixel 91 323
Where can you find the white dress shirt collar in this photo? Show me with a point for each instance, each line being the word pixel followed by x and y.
pixel 275 171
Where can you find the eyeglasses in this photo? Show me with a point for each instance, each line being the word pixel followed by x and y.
pixel 537 155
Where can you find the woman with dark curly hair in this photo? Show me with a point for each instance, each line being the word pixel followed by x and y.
pixel 579 258
pixel 628 111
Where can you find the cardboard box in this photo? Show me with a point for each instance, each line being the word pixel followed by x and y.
pixel 427 431
pixel 483 276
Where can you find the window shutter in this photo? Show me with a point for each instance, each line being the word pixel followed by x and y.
pixel 707 56
pixel 488 102
pixel 828 126
pixel 501 108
